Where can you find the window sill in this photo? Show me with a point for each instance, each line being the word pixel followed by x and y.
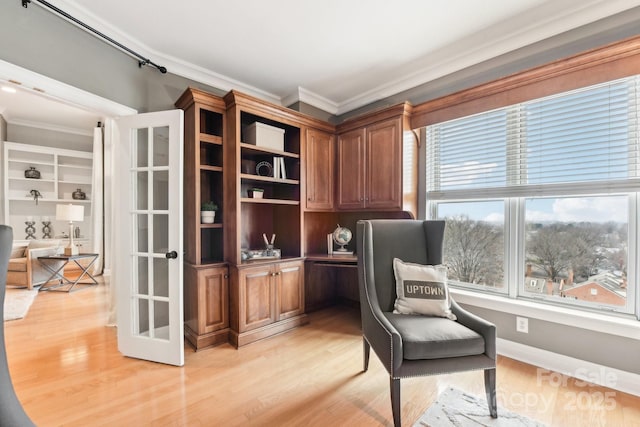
pixel 607 324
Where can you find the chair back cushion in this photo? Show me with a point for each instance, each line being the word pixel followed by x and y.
pixel 413 241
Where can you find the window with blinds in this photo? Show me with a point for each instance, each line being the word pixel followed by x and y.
pixel 588 136
pixel 541 198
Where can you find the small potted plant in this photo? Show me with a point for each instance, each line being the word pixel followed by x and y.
pixel 208 212
pixel 256 193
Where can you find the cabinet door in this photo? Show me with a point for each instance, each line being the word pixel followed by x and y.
pixel 257 297
pixel 319 167
pixel 289 278
pixel 351 168
pixel 213 291
pixel 384 165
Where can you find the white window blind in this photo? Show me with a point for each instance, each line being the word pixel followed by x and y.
pixel 582 140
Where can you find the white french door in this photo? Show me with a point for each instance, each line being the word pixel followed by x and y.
pixel 148 236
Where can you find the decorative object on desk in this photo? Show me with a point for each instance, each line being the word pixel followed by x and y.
pixel 208 212
pixel 342 236
pixel 46 227
pixel 32 173
pixel 30 230
pixel 70 213
pixel 264 169
pixel 259 254
pixel 269 244
pixel 256 193
pixel 79 195
pixel 36 195
pixel 330 244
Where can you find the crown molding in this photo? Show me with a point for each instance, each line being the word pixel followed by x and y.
pixel 173 65
pixel 311 98
pixel 524 34
pixel 508 36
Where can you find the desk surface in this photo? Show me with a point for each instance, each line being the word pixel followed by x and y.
pixel 332 258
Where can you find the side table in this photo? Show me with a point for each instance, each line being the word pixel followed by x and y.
pixel 51 262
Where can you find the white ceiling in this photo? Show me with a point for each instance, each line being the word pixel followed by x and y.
pixel 334 54
pixel 27 107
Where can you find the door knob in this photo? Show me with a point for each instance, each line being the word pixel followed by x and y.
pixel 172 254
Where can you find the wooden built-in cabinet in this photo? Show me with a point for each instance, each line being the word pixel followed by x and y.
pixel 205 273
pixel 372 159
pixel 206 308
pixel 267 299
pixel 319 169
pixel 232 292
pixel 266 295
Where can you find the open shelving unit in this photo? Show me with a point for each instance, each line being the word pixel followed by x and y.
pixel 61 173
pixel 206 277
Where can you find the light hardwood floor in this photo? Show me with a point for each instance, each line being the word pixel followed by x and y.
pixel 67 370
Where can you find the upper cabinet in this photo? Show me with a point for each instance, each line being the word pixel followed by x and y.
pixel 377 162
pixel 37 178
pixel 319 161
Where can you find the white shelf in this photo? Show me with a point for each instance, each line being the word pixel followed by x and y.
pixel 62 172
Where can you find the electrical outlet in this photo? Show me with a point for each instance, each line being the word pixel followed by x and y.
pixel 522 324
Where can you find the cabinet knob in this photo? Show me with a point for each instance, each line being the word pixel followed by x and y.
pixel 171 255
pixel 226 276
pixel 361 199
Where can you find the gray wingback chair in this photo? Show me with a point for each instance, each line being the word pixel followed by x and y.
pixel 11 412
pixel 414 345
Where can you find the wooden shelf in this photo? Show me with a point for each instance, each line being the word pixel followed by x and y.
pixel 211 168
pixel 270 201
pixel 214 225
pixel 263 150
pixel 211 139
pixel 251 177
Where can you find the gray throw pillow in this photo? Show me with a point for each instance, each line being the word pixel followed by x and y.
pixel 422 289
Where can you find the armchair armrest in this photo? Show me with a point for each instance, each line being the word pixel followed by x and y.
pixel 478 324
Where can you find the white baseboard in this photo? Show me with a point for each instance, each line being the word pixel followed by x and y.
pixel 606 376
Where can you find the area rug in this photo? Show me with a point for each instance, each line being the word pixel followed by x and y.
pixel 17 302
pixel 455 408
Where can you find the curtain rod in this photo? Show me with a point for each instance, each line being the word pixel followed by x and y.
pixel 141 59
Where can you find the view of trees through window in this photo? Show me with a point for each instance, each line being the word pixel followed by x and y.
pixel 580 256
pixel 574 249
pixel 474 243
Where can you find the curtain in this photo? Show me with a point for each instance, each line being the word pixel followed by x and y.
pixel 97 211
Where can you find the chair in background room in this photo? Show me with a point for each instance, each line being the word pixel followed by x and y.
pixel 11 412
pixel 410 345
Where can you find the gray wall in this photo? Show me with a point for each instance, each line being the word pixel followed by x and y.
pixel 49 138
pixel 42 42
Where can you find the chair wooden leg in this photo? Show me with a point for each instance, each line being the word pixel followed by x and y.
pixel 366 351
pixel 490 389
pixel 395 401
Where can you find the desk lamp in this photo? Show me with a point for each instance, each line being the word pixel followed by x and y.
pixel 70 213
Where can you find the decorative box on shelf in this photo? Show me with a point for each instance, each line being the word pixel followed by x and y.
pixel 266 136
